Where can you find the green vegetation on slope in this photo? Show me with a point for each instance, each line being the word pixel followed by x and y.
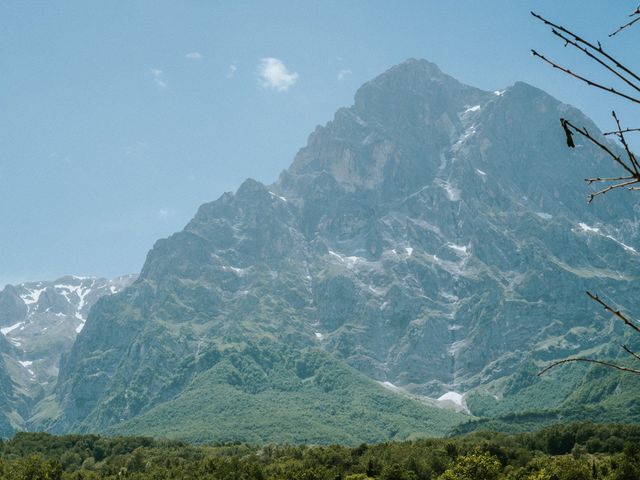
pixel 276 394
pixel 571 393
pixel 561 452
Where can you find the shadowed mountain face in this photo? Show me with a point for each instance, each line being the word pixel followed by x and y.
pixel 433 237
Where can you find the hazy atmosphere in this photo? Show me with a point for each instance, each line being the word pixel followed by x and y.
pixel 118 120
pixel 319 240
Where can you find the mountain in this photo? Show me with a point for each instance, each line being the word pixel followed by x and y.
pixel 39 322
pixel 432 241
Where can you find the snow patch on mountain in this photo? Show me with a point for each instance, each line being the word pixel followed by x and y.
pixel 453 193
pixel 7 330
pixel 623 245
pixel 454 397
pixel 274 195
pixel 56 311
pixel 462 250
pixel 349 261
pixel 588 229
pixel 596 231
pixel 390 386
pixel 32 296
pixel 238 271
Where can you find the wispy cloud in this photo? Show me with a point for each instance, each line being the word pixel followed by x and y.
pixel 136 149
pixel 158 78
pixel 275 74
pixel 195 56
pixel 55 156
pixel 344 73
pixel 231 70
pixel 165 213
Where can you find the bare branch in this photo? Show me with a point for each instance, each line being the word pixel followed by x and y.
pixel 632 157
pixel 566 124
pixel 631 165
pixel 601 179
pixel 624 26
pixel 626 130
pixel 586 51
pixel 588 360
pixel 599 55
pixel 586 80
pixel 617 313
pixel 591 196
pixel 630 352
pixel 597 48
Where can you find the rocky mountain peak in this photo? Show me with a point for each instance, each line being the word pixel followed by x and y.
pixel 392 137
pixel 252 189
pixel 433 236
pixel 419 78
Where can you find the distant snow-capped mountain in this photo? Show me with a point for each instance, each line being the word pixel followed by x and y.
pixel 39 322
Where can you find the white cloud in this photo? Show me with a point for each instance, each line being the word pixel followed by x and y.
pixel 165 213
pixel 344 73
pixel 158 78
pixel 231 70
pixel 195 56
pixel 274 74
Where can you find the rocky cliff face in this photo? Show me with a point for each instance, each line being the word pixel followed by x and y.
pixel 466 250
pixel 433 236
pixel 39 322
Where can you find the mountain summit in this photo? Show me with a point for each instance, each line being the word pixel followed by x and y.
pixel 412 108
pixel 430 242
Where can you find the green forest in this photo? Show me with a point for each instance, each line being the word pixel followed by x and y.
pixel 578 451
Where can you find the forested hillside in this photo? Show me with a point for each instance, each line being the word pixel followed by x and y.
pixel 571 452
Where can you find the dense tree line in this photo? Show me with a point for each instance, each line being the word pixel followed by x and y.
pixel 562 452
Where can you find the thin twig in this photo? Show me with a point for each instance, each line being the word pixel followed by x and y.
pixel 584 50
pixel 604 59
pixel 617 313
pixel 586 80
pixel 598 48
pixel 624 26
pixel 601 179
pixel 632 157
pixel 567 125
pixel 588 360
pixel 630 352
pixel 626 130
pixel 591 196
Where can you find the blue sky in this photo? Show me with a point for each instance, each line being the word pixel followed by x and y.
pixel 118 119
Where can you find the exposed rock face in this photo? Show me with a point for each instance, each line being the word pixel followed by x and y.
pixel 467 248
pixel 39 322
pixel 433 236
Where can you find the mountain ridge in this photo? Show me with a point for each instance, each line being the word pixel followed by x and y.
pixel 39 322
pixel 431 237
